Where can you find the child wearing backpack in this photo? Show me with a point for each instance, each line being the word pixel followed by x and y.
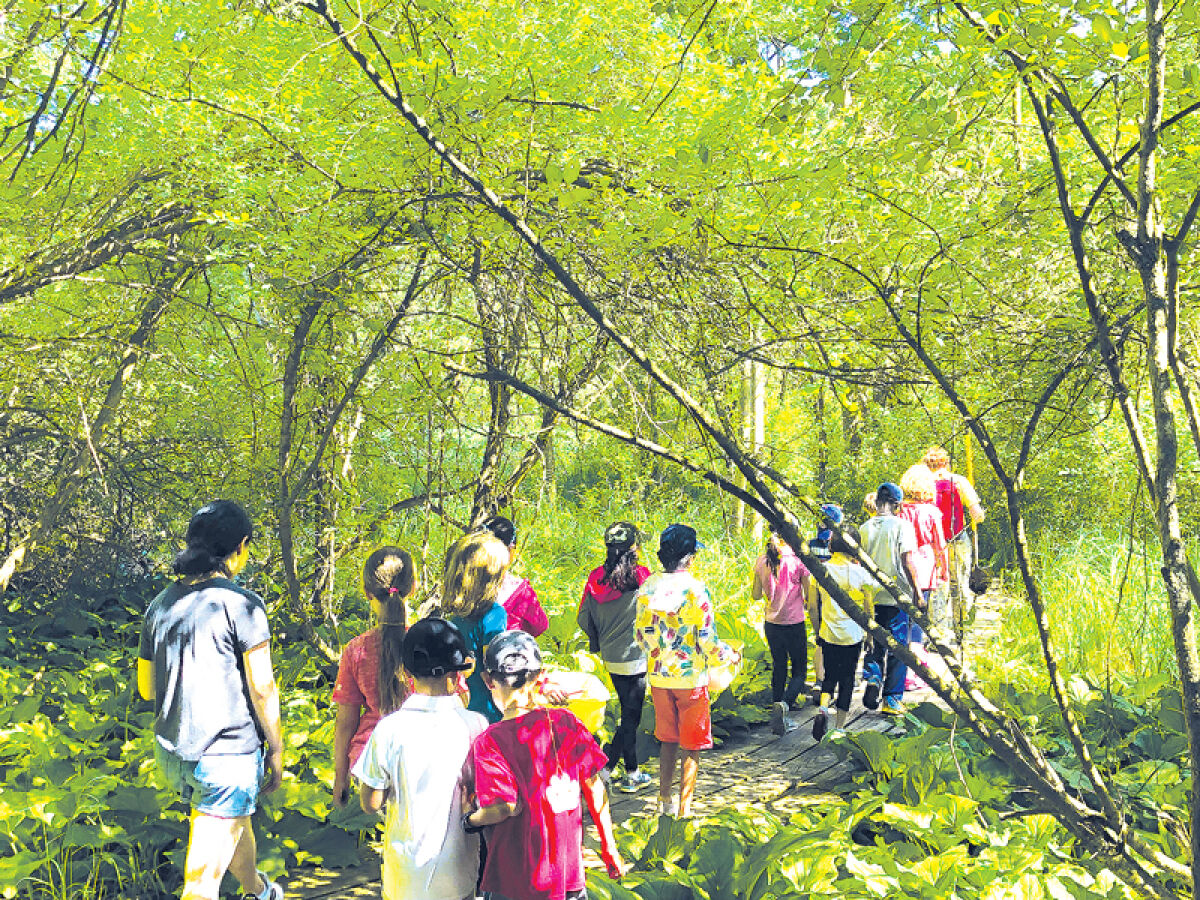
pixel 532 769
pixel 361 695
pixel 414 762
pixel 959 504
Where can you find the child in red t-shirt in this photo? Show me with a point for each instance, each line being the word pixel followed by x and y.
pixel 362 696
pixel 532 769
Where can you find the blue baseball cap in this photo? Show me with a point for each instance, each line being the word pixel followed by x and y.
pixel 679 541
pixel 889 492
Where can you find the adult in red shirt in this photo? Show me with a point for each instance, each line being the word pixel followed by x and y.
pixel 531 770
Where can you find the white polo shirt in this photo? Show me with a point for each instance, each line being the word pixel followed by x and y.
pixel 416 754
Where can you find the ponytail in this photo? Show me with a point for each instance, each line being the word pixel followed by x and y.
pixel 621 567
pixel 773 554
pixel 198 560
pixel 389 576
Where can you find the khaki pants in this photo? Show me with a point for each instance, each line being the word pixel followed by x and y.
pixel 952 603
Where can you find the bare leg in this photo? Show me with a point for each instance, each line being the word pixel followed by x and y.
pixel 687 781
pixel 668 753
pixel 213 846
pixel 244 865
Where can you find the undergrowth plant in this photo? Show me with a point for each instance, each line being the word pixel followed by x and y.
pixel 926 816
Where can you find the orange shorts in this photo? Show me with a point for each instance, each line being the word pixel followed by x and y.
pixel 682 716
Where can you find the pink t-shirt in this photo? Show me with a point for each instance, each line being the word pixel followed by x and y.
pixel 520 601
pixel 358 685
pixel 784 590
pixel 926 521
pixel 538 761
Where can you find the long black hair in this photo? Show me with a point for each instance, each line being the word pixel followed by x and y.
pixel 621 567
pixel 772 553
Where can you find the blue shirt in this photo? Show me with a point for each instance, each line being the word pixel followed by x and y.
pixel 478 632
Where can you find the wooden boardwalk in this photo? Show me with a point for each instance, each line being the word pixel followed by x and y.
pixel 783 771
pixel 760 768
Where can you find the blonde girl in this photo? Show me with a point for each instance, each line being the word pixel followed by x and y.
pixel 475 568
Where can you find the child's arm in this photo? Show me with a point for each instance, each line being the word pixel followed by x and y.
pixel 372 800
pixel 596 798
pixel 145 678
pixel 344 728
pixel 490 815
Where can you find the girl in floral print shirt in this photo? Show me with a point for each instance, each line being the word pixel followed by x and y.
pixel 675 627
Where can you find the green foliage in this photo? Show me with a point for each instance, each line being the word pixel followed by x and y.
pixel 891 835
pixel 85 813
pixel 1107 607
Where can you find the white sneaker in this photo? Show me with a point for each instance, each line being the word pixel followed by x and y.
pixel 633 782
pixel 272 891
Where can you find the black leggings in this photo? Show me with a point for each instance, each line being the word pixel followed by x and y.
pixel 787 642
pixel 841 665
pixel 631 694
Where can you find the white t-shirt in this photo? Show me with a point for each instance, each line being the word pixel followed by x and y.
pixel 416 754
pixel 886 539
pixel 836 626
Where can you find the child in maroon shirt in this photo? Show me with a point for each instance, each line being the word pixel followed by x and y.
pixel 532 769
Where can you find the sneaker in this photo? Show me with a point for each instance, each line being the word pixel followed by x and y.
pixel 272 891
pixel 779 720
pixel 871 695
pixel 821 724
pixel 634 782
pixel 893 708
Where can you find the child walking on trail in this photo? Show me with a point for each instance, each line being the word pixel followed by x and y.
pixel 675 627
pixel 831 514
pixel 531 771
pixel 475 567
pixel 606 615
pixel 890 541
pixel 368 683
pixel 414 763
pixel 840 637
pixel 517 595
pixel 929 559
pixel 205 660
pixel 783 580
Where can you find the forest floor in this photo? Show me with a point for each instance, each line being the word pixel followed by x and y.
pixel 782 772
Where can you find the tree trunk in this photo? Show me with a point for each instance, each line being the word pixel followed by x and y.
pixel 74 471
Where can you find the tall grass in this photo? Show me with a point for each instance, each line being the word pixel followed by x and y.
pixel 1106 605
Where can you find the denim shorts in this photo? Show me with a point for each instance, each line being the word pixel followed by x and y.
pixel 224 785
